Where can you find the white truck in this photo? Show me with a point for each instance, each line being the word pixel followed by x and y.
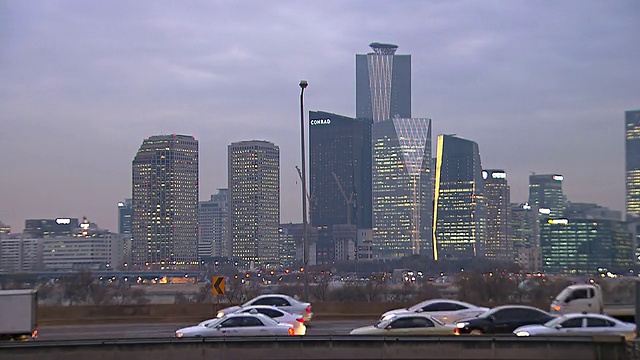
pixel 18 314
pixel 589 298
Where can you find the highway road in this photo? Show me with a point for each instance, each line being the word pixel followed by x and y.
pixel 124 331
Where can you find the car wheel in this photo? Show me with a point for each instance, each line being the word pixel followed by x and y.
pixel 476 332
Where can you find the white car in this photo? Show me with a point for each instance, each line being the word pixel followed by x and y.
pixel 445 310
pixel 284 302
pixel 407 324
pixel 278 315
pixel 580 324
pixel 237 325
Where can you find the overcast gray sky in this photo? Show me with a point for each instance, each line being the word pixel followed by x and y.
pixel 540 86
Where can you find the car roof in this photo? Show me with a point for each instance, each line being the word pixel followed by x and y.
pixel 517 307
pixel 431 301
pixel 244 308
pixel 592 315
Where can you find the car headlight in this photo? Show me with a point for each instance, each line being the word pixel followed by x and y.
pixel 462 325
pixel 219 314
pixel 179 334
pixel 523 333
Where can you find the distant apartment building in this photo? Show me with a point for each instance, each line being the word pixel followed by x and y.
pixel 586 246
pixel 212 232
pixel 402 188
pixel 254 202
pixel 291 245
pixel 165 202
pixel 459 220
pixel 545 192
pixel 97 250
pixel 632 162
pixel 383 84
pixel 530 259
pixel 525 227
pixel 499 244
pixel 41 228
pixel 125 209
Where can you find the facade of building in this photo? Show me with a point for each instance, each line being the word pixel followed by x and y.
pixel 459 220
pixel 545 192
pixel 499 244
pixel 530 259
pixel 401 188
pixel 632 162
pixel 213 237
pixel 254 202
pixel 586 246
pixel 591 211
pixel 339 170
pixel 383 84
pixel 18 254
pixel 165 202
pixel 292 244
pixel 525 227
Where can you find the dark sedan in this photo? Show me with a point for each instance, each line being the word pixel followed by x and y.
pixel 503 320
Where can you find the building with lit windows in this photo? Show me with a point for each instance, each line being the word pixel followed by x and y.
pixel 525 229
pixel 383 84
pixel 165 202
pixel 292 244
pixel 42 228
pixel 459 219
pixel 254 202
pixel 212 226
pixel 545 192
pixel 498 245
pixel 586 246
pixel 632 162
pixel 401 187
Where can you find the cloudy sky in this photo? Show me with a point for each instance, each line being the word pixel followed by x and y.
pixel 540 86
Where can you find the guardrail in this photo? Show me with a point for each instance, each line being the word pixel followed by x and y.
pixel 342 347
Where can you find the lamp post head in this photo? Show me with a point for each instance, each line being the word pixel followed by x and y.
pixel 303 84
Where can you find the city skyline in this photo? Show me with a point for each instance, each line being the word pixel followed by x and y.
pixel 540 88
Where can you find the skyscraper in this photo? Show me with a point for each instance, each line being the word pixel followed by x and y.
pixel 254 202
pixel 632 157
pixel 459 219
pixel 165 202
pixel 402 187
pixel 212 231
pixel 499 245
pixel 383 84
pixel 545 192
pixel 340 170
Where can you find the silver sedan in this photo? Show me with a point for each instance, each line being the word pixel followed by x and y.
pixel 237 325
pixel 284 302
pixel 580 324
pixel 445 310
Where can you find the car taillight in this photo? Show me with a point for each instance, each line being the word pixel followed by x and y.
pixel 308 309
pixel 456 331
pixel 290 331
pixel 34 334
pixel 557 308
pixel 300 320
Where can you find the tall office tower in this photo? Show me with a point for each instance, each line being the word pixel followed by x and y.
pixel 545 192
pixel 401 187
pixel 459 219
pixel 125 208
pixel 383 84
pixel 586 246
pixel 165 202
pixel 499 245
pixel 632 161
pixel 254 202
pixel 525 230
pixel 212 230
pixel 340 170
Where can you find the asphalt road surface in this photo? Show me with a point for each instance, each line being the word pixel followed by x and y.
pixel 131 331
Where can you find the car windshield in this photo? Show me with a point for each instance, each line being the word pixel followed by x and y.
pixel 553 322
pixel 382 324
pixel 210 322
pixel 418 306
pixel 563 294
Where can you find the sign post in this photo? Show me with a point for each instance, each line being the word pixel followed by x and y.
pixel 217 288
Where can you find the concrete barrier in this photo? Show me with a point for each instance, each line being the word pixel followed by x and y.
pixel 187 313
pixel 347 348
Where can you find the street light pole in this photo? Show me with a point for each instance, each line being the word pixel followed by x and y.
pixel 305 255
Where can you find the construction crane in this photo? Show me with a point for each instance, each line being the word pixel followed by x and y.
pixel 348 201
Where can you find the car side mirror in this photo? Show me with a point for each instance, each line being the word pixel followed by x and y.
pixel 492 318
pixel 388 327
pixel 420 310
pixel 558 327
pixel 218 327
